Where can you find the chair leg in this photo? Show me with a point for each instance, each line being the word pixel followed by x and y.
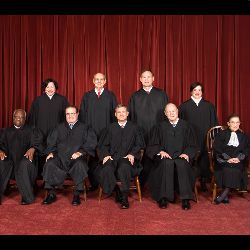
pixel 85 192
pixel 100 193
pixel 196 192
pixel 138 187
pixel 214 192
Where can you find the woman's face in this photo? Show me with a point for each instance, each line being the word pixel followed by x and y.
pixel 197 92
pixel 50 89
pixel 234 124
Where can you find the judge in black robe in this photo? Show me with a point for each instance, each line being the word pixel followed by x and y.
pixel 172 146
pixel 201 114
pixel 17 148
pixel 146 109
pixel 47 111
pixel 97 110
pixel 119 151
pixel 231 148
pixel 67 154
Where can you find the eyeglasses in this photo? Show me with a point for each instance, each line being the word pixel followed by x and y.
pixel 70 113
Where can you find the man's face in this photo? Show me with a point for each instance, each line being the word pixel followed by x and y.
pixel 121 114
pixel 99 80
pixel 147 79
pixel 171 112
pixel 19 118
pixel 71 115
pixel 50 89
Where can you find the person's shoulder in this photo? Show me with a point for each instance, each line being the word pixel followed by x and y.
pixel 137 92
pixel 186 102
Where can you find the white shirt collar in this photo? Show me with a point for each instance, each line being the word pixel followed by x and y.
pixel 16 127
pixel 197 101
pixel 50 96
pixel 122 124
pixel 233 141
pixel 148 89
pixel 96 91
pixel 174 122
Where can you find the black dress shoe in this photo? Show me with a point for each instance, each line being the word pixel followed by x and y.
pixel 225 201
pixel 49 199
pixel 185 204
pixel 24 202
pixel 76 200
pixel 216 200
pixel 163 203
pixel 124 204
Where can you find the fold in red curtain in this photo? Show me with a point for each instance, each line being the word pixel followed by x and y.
pixel 179 49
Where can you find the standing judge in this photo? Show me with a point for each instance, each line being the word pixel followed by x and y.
pixel 97 110
pixel 146 109
pixel 47 111
pixel 119 151
pixel 18 145
pixel 201 114
pixel 68 146
pixel 172 146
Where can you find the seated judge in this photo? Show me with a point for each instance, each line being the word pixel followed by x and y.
pixel 68 146
pixel 172 146
pixel 18 145
pixel 119 152
pixel 231 148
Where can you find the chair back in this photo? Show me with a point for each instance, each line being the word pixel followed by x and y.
pixel 211 134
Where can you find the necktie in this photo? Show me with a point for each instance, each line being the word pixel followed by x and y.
pixel 122 126
pixel 148 92
pixel 71 126
pixel 99 94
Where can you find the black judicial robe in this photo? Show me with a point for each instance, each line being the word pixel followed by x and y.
pixel 119 142
pixel 46 113
pixel 174 141
pixel 201 117
pixel 63 142
pixel 96 112
pixel 228 174
pixel 147 110
pixel 15 143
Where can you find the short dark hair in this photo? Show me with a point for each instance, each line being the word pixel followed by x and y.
pixel 232 116
pixel 145 70
pixel 120 105
pixel 47 81
pixel 194 85
pixel 72 106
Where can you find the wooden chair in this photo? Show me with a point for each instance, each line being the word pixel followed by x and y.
pixel 135 184
pixel 211 134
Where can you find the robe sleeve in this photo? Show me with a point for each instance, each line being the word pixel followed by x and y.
pixel 113 106
pixel 37 140
pixel 83 109
pixel 138 145
pixel 3 140
pixel 52 142
pixel 191 148
pixel 32 117
pixel 103 148
pixel 90 143
pixel 154 145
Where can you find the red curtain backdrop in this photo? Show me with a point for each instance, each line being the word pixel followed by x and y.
pixel 180 49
